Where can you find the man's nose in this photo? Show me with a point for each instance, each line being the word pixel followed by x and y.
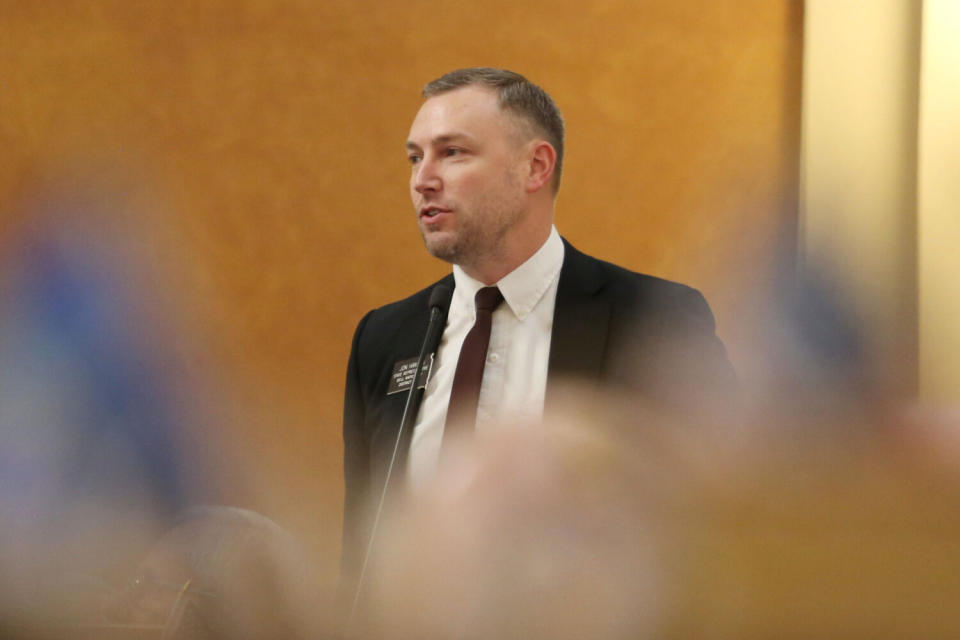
pixel 426 176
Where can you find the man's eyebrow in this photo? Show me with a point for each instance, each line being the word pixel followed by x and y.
pixel 440 140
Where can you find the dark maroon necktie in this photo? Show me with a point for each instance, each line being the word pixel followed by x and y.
pixel 465 394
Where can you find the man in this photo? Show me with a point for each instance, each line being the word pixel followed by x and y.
pixel 486 150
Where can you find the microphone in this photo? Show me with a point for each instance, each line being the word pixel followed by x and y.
pixel 439 304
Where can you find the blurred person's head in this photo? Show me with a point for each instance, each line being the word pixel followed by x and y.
pixel 529 533
pixel 815 363
pixel 222 572
pixel 619 525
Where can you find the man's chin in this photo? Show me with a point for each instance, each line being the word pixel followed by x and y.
pixel 441 245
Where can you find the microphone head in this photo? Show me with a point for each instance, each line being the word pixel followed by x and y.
pixel 440 297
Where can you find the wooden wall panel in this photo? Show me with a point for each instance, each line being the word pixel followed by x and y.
pixel 269 137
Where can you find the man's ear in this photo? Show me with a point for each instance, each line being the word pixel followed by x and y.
pixel 542 159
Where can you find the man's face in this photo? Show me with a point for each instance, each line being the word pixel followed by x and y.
pixel 466 175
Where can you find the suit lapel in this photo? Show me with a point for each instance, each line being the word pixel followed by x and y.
pixel 581 320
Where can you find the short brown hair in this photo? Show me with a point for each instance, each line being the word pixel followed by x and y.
pixel 517 94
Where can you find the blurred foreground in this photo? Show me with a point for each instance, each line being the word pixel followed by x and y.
pixel 823 505
pixel 606 525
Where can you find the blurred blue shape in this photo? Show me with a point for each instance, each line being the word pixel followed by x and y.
pixel 91 459
pixel 73 342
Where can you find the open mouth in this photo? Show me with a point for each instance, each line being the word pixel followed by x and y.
pixel 430 213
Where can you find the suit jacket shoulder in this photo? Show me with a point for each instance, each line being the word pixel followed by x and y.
pixel 622 329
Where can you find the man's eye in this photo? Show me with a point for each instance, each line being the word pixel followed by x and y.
pixel 452 151
pixel 413 159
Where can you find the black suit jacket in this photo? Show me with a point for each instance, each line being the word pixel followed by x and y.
pixel 611 327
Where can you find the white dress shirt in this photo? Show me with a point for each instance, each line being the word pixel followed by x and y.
pixel 515 373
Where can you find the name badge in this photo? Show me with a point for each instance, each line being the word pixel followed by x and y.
pixel 404 374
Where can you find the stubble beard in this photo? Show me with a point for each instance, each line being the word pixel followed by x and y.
pixel 478 237
pixel 476 240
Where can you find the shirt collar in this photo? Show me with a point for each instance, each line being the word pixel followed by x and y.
pixel 523 287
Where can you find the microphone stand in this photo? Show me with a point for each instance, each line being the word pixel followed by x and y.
pixel 439 303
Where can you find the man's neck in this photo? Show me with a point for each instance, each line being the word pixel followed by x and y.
pixel 495 267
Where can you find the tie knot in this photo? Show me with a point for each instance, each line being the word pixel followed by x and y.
pixel 488 298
